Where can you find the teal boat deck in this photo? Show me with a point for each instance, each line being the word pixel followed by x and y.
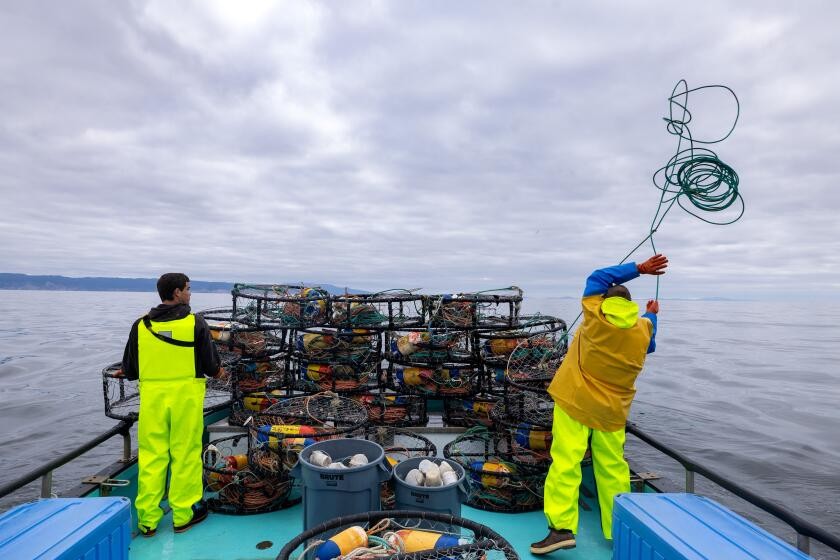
pixel 240 537
pixel 261 536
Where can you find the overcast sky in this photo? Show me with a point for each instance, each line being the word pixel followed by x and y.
pixel 452 146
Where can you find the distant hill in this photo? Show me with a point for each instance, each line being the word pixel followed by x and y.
pixel 12 281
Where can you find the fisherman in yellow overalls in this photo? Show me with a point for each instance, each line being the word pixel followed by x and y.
pixel 592 391
pixel 170 350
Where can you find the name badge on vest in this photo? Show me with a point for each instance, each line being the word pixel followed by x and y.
pixel 167 334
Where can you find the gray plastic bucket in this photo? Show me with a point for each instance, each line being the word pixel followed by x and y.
pixel 441 499
pixel 330 493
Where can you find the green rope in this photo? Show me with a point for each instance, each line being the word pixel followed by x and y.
pixel 695 178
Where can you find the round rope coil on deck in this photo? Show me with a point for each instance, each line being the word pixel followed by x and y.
pixel 399 535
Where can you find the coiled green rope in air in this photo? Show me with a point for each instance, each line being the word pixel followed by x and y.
pixel 695 178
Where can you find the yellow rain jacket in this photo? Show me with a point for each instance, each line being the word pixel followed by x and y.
pixel 595 384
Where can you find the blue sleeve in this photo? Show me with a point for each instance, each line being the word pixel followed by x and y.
pixel 600 280
pixel 652 345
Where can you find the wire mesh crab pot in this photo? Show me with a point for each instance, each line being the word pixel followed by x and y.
pixel 279 433
pixel 281 306
pixel 428 345
pixel 527 431
pixel 384 310
pixel 339 377
pixel 390 409
pixel 527 356
pixel 243 339
pixel 466 413
pixel 487 309
pixel 337 345
pixel 440 380
pixel 399 535
pixel 263 374
pixel 516 406
pixel 122 396
pixel 399 444
pixel 499 478
pixel 245 405
pixel 255 344
pixel 234 483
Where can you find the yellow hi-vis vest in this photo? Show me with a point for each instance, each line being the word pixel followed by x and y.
pixel 596 382
pixel 172 360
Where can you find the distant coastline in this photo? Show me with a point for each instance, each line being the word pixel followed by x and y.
pixel 14 281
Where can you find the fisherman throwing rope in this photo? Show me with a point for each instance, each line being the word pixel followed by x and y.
pixel 170 350
pixel 592 391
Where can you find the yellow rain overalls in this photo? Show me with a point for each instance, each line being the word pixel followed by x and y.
pixel 171 420
pixel 592 391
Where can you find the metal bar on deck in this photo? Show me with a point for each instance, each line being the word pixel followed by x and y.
pixel 689 481
pixel 803 543
pixel 46 485
pixel 126 446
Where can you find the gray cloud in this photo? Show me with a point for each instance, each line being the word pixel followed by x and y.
pixel 413 144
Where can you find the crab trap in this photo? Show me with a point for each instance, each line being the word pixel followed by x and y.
pixel 337 345
pixel 339 377
pixel 429 345
pixel 527 356
pixel 280 306
pixel 245 340
pixel 278 435
pixel 254 344
pixel 245 405
pixel 499 477
pixel 440 380
pixel 384 310
pixel 328 411
pixel 466 413
pixel 236 485
pixel 389 409
pixel 415 535
pixel 122 396
pixel 487 309
pixel 525 439
pixel 534 407
pixel 398 444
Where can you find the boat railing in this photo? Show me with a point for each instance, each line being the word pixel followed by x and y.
pixel 804 529
pixel 45 472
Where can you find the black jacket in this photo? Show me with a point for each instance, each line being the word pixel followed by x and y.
pixel 207 360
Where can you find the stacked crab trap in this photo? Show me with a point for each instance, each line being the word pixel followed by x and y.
pixel 307 367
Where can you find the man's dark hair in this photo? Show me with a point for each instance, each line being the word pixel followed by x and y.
pixel 169 282
pixel 618 291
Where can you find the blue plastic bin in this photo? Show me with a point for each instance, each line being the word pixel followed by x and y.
pixel 691 527
pixel 67 529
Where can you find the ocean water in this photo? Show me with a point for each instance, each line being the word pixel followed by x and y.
pixel 749 389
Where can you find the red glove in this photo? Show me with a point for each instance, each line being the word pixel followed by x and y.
pixel 653 306
pixel 655 265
